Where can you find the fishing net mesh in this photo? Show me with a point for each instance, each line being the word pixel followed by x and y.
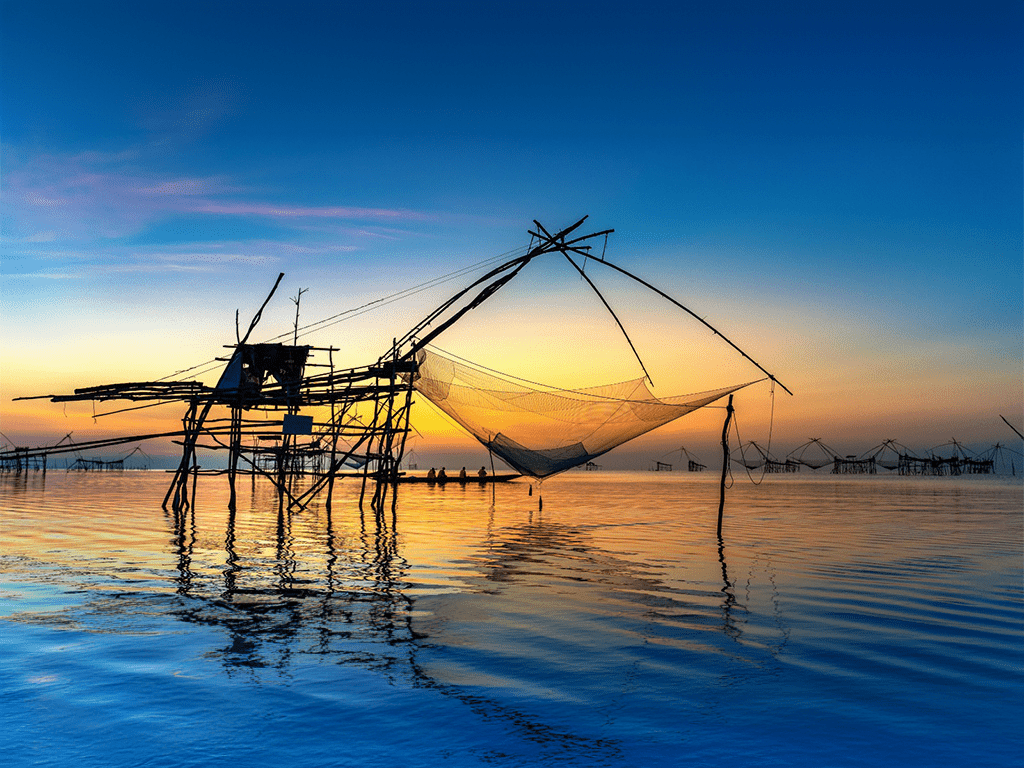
pixel 540 432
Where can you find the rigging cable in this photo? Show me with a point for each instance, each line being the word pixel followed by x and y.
pixel 210 365
pixel 743 456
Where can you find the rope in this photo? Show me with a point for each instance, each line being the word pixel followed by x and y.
pixel 348 314
pixel 768 450
pixel 743 456
pixel 376 303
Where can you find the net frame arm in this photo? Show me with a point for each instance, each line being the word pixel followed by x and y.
pixel 689 311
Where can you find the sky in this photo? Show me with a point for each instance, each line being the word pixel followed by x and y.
pixel 836 187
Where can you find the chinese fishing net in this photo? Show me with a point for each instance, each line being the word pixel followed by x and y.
pixel 540 432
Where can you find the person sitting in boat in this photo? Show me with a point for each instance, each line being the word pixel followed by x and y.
pixel 442 476
pixel 431 476
pixel 482 474
pixel 462 475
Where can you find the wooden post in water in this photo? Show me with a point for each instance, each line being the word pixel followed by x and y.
pixel 334 437
pixel 235 448
pixel 725 462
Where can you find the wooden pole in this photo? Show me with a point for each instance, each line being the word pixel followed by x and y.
pixel 234 450
pixel 403 419
pixel 725 462
pixel 334 438
pixel 1012 427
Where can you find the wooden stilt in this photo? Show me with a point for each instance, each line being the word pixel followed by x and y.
pixel 333 438
pixel 234 451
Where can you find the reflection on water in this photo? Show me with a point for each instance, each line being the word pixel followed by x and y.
pixel 831 623
pixel 292 582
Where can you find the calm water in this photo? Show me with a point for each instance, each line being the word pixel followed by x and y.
pixel 850 622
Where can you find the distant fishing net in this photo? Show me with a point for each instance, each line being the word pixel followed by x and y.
pixel 540 432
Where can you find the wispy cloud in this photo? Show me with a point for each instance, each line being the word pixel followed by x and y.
pixel 199 264
pixel 91 196
pixel 109 195
pixel 276 211
pixel 182 260
pixel 183 187
pixel 70 264
pixel 40 237
pixel 45 275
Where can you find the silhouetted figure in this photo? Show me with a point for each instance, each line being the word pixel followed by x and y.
pixel 462 475
pixel 482 474
pixel 431 476
pixel 442 476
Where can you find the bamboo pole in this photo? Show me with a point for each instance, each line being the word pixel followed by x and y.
pixel 1012 427
pixel 725 463
pixel 334 438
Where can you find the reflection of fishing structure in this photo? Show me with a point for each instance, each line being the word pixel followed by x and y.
pixel 340 593
pixel 278 418
pixel 353 606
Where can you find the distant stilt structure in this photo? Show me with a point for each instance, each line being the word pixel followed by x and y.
pixel 887 454
pixel 913 465
pixel 772 466
pixel 96 465
pixel 756 458
pixel 15 460
pixel 18 460
pixel 961 462
pixel 693 463
pixel 1003 459
pixel 813 454
pixel 977 466
pixel 762 459
pixel 851 465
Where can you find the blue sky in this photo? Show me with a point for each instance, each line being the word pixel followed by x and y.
pixel 840 184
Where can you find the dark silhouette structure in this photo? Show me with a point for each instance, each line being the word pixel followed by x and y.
pixel 255 410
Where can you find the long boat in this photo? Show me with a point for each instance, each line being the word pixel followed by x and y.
pixel 456 480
